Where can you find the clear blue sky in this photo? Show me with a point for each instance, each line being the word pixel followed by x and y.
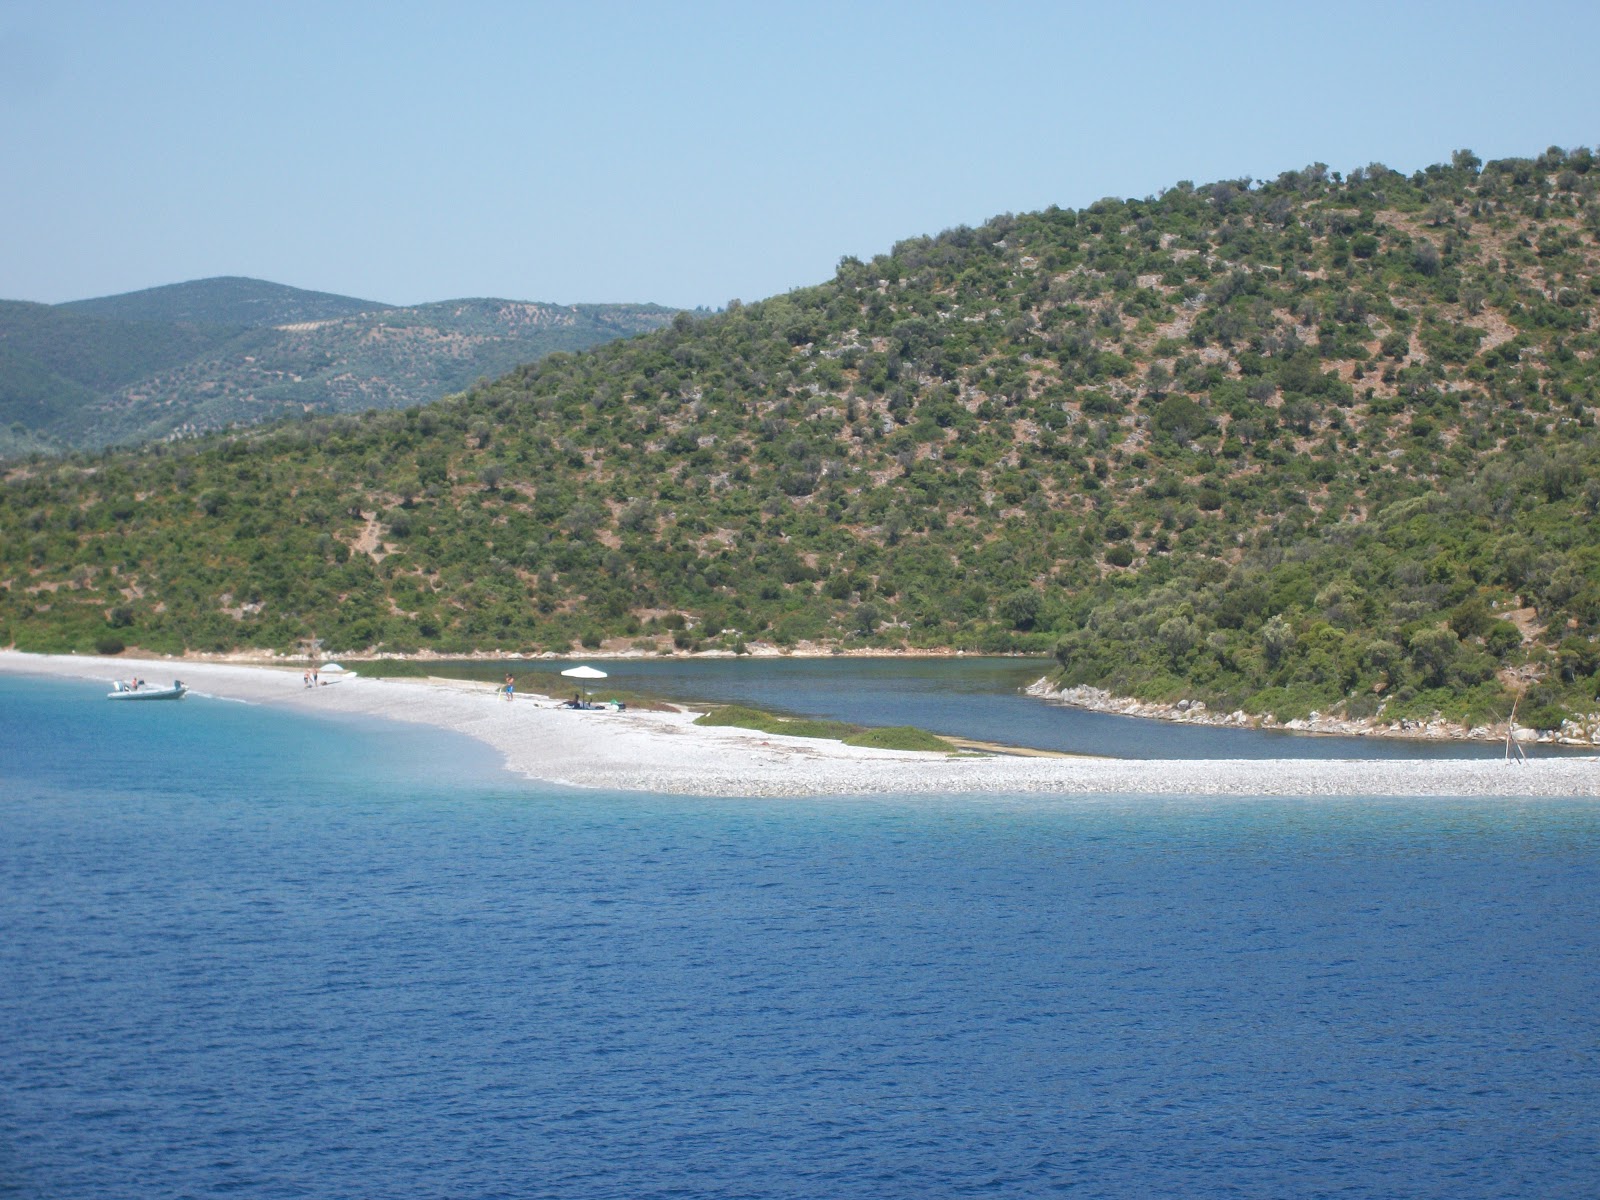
pixel 691 153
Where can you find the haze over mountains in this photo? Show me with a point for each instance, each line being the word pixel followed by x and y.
pixel 189 357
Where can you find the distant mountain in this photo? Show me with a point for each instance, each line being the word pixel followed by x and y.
pixel 99 353
pixel 220 352
pixel 57 365
pixel 225 300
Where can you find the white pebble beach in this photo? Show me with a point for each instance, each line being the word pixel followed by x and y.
pixel 665 752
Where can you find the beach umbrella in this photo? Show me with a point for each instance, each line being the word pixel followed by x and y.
pixel 331 668
pixel 583 673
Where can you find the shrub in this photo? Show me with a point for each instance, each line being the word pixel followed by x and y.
pixel 1503 637
pixel 1021 608
pixel 1543 717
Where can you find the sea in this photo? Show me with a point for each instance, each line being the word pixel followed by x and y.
pixel 245 952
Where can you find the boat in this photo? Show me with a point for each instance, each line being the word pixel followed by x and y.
pixel 123 690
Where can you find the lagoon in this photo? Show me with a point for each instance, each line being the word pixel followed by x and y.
pixel 244 950
pixel 972 697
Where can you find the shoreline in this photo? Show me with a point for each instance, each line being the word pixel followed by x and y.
pixel 1578 734
pixel 664 752
pixel 1092 699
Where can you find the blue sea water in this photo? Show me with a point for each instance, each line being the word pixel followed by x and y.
pixel 248 953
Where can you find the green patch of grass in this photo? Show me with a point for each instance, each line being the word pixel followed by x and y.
pixel 836 730
pixel 738 714
pixel 765 722
pixel 902 737
pixel 898 737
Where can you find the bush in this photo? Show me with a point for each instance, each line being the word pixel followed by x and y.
pixel 1503 637
pixel 1543 717
pixel 109 645
pixel 1021 608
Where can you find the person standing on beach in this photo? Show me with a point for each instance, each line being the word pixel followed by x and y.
pixel 511 687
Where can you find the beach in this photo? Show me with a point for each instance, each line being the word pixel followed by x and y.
pixel 665 752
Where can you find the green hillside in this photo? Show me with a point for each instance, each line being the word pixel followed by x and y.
pixel 390 359
pixel 130 369
pixel 98 353
pixel 56 364
pixel 225 300
pixel 1321 443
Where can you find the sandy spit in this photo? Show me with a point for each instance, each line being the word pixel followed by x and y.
pixel 666 753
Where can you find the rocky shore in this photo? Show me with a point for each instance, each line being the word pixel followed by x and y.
pixel 1583 732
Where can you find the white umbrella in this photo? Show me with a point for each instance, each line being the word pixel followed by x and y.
pixel 331 668
pixel 583 673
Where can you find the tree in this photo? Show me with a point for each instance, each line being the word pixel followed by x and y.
pixel 866 618
pixel 1277 638
pixel 1178 635
pixel 1021 608
pixel 1434 651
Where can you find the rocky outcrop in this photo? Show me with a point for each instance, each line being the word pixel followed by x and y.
pixel 1580 731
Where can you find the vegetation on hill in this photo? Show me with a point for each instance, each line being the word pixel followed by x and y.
pixel 222 352
pixel 97 352
pixel 1320 443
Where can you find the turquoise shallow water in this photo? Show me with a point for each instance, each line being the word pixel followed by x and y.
pixel 244 952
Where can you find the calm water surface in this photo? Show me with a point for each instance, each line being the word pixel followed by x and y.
pixel 246 953
pixel 975 697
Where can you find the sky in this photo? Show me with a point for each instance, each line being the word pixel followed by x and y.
pixel 689 154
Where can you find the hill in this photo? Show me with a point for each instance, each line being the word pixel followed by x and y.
pixel 1324 443
pixel 193 357
pixel 56 364
pixel 225 300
